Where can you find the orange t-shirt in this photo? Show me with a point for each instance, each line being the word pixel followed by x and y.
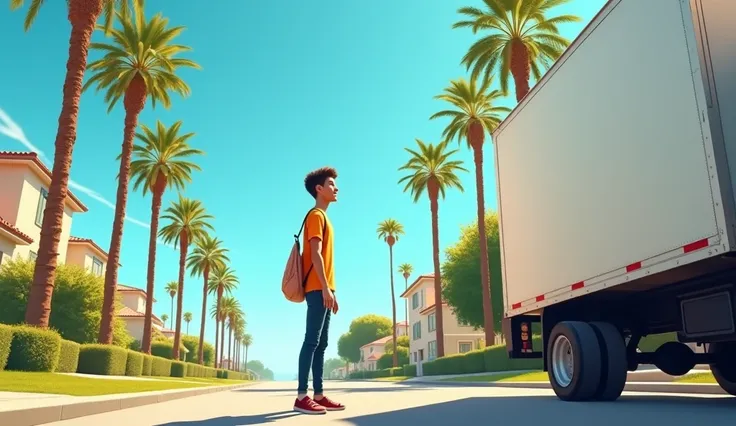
pixel 316 221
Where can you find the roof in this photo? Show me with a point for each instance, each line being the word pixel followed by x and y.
pixel 381 341
pixel 430 308
pixel 373 357
pixel 413 285
pixel 88 241
pixel 41 169
pixel 126 312
pixel 15 233
pixel 127 288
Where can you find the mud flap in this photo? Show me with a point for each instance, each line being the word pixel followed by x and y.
pixel 517 332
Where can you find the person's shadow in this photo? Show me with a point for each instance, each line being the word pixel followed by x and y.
pixel 256 419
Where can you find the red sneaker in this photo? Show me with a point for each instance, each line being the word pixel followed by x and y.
pixel 329 404
pixel 307 405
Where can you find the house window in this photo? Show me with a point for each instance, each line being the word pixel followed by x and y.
pixel 432 322
pixel 465 347
pixel 32 256
pixel 432 350
pixel 417 330
pixel 41 207
pixel 96 266
pixel 415 300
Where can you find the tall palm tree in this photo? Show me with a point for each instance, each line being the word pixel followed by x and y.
pixel 83 15
pixel 187 319
pixel 474 114
pixel 223 280
pixel 188 222
pixel 139 64
pixel 522 40
pixel 247 341
pixel 237 330
pixel 217 314
pixel 208 254
pixel 431 168
pixel 172 287
pixel 228 308
pixel 234 316
pixel 405 270
pixel 161 160
pixel 389 231
pixel 164 318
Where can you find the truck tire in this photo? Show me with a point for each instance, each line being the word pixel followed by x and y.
pixel 614 365
pixel 724 367
pixel 574 361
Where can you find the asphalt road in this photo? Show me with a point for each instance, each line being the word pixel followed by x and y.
pixel 387 404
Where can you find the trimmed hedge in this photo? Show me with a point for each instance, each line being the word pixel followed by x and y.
pixel 68 357
pixel 160 367
pixel 147 364
pixel 490 359
pixel 34 349
pixel 106 360
pixel 134 364
pixel 178 369
pixel 410 370
pixel 6 339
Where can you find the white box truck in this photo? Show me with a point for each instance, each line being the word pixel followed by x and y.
pixel 615 179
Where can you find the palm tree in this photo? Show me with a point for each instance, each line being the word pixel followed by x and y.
pixel 389 230
pixel 161 161
pixel 188 222
pixel 523 40
pixel 247 341
pixel 229 308
pixel 219 317
pixel 234 316
pixel 140 63
pixel 223 280
pixel 208 254
pixel 172 287
pixel 405 270
pixel 237 331
pixel 187 319
pixel 473 114
pixel 83 15
pixel 164 318
pixel 432 169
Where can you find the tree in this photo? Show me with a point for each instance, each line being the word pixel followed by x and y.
pixel 430 168
pixel 247 341
pixel 523 40
pixel 229 309
pixel 237 329
pixel 165 317
pixel 208 254
pixel 402 341
pixel 363 330
pixel 83 15
pixel 222 281
pixel 187 319
pixel 260 369
pixel 474 113
pixel 405 270
pixel 188 222
pixel 331 365
pixel 162 160
pixel 385 361
pixel 139 64
pixel 460 274
pixel 389 230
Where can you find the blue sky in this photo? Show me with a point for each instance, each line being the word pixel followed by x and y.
pixel 285 88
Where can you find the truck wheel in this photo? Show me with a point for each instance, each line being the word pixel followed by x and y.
pixel 574 361
pixel 724 367
pixel 614 365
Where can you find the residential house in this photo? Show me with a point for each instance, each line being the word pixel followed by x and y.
pixel 25 185
pixel 133 312
pixel 371 352
pixel 87 254
pixel 459 338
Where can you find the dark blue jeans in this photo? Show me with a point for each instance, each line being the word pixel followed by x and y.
pixel 315 342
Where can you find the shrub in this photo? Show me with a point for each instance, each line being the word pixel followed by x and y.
pixel 160 367
pixel 147 364
pixel 410 370
pixel 387 360
pixel 107 360
pixel 474 362
pixel 192 345
pixel 134 364
pixel 178 369
pixel 164 348
pixel 208 354
pixel 68 357
pixel 34 349
pixel 496 358
pixel 6 339
pixel 397 371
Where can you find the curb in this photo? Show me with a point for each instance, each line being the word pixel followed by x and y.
pixel 662 387
pixel 55 413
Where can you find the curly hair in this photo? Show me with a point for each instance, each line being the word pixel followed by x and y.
pixel 318 177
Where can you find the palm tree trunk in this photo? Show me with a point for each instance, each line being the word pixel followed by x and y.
pixel 520 68
pixel 158 193
pixel 406 303
pixel 184 244
pixel 246 357
pixel 222 340
pixel 82 15
pixel 433 190
pixel 134 101
pixel 485 278
pixel 200 351
pixel 393 301
pixel 230 346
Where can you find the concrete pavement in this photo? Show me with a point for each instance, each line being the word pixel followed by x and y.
pixel 387 404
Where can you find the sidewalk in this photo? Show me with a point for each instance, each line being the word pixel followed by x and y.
pixel 649 375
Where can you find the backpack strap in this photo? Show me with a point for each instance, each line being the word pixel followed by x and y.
pixel 296 237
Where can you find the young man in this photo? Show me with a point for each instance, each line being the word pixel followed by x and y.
pixel 318 265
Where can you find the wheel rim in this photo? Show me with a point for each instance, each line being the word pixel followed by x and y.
pixel 562 361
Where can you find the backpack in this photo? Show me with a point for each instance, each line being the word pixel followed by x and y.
pixel 293 282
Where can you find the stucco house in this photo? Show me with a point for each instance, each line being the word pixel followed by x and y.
pixel 371 352
pixel 87 254
pixel 133 312
pixel 459 338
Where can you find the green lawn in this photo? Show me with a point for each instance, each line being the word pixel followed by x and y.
pixel 19 381
pixel 697 378
pixel 533 376
pixel 392 379
pixel 207 380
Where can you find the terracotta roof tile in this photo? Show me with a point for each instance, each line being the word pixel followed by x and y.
pixel 78 240
pixel 4 224
pixel 126 312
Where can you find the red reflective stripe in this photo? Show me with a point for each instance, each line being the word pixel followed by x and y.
pixel 540 298
pixel 633 267
pixel 578 286
pixel 697 245
pixel 516 305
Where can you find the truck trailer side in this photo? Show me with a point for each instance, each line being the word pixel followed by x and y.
pixel 616 199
